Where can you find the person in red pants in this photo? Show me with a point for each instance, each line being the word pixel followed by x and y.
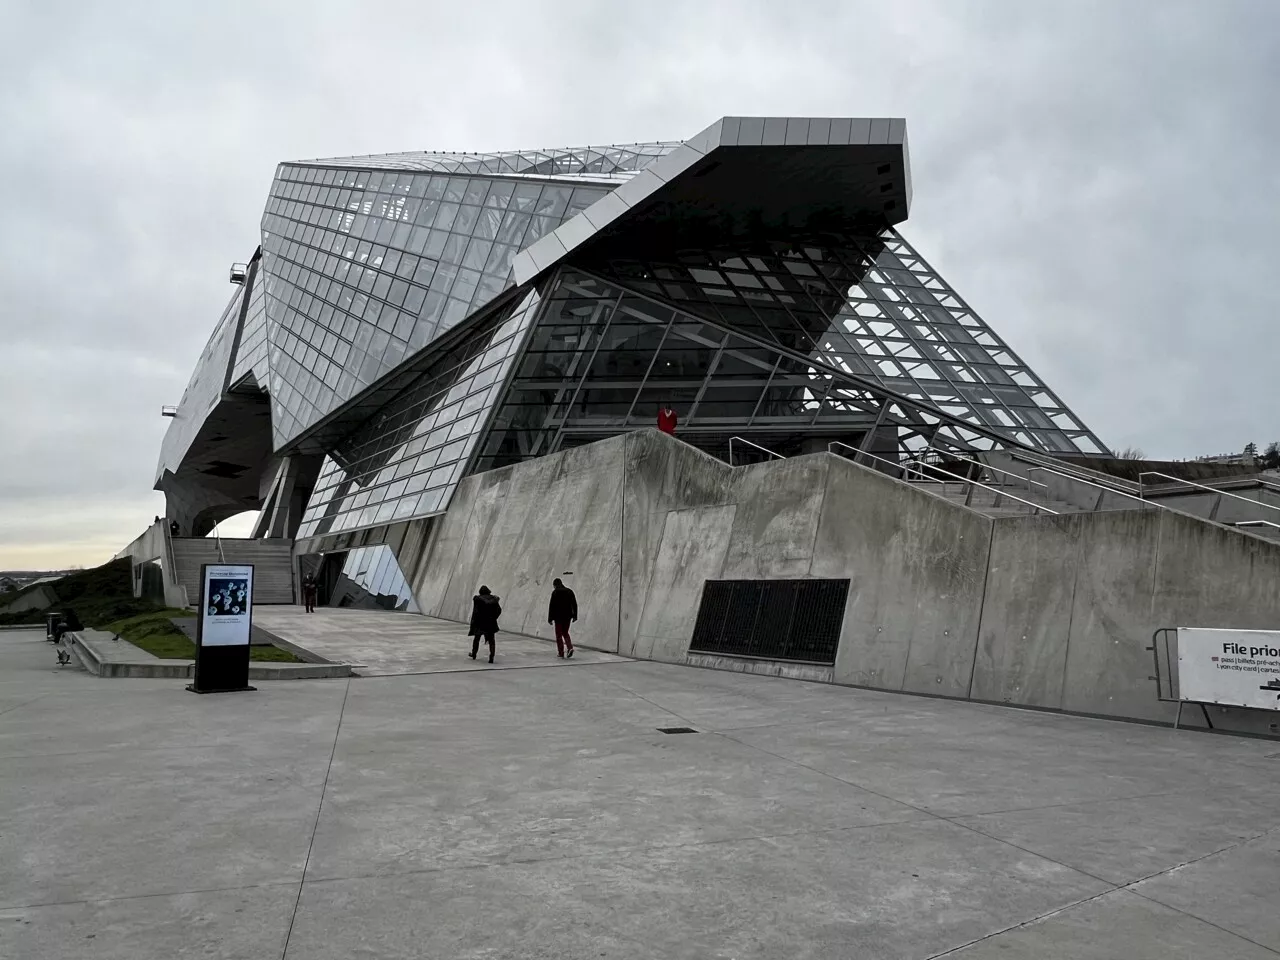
pixel 562 610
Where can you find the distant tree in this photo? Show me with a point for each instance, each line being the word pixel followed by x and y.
pixel 1250 450
pixel 1131 453
pixel 1271 456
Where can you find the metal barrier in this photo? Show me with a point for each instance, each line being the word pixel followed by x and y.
pixel 1165 683
pixel 750 444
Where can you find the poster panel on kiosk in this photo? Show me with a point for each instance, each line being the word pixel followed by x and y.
pixel 1239 668
pixel 223 628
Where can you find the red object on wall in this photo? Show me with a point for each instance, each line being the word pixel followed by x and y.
pixel 667 420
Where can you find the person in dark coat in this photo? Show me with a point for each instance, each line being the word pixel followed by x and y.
pixel 485 611
pixel 562 610
pixel 309 590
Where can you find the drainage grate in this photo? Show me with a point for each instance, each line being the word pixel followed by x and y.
pixel 676 730
pixel 772 619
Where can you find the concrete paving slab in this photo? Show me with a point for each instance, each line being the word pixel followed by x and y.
pixel 538 812
pixel 228 924
pixel 1118 924
pixel 1235 889
pixel 200 818
pixel 899 890
pixel 1127 840
pixel 387 643
pixel 461 796
pixel 967 764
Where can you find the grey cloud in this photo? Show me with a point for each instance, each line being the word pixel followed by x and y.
pixel 1096 178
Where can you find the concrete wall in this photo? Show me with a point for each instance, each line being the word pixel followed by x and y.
pixel 41 598
pixel 1050 611
pixel 518 528
pixel 1072 602
pixel 153 544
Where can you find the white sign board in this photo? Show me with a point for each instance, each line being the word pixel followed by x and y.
pixel 226 604
pixel 1236 667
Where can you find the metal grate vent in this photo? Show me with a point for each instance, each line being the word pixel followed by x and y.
pixel 771 619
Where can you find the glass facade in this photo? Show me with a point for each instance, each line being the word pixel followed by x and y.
pixel 778 344
pixel 251 354
pixel 205 388
pixel 372 578
pixel 871 307
pixel 763 293
pixel 407 460
pixel 364 268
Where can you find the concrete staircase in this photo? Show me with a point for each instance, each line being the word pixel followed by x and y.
pixel 272 561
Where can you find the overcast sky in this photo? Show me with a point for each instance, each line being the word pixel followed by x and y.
pixel 1099 180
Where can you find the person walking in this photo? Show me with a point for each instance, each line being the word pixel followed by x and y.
pixel 562 609
pixel 309 590
pixel 485 611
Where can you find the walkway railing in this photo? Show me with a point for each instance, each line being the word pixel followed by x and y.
pixel 750 444
pixel 944 478
pixel 1220 494
pixel 1102 489
pixel 1044 487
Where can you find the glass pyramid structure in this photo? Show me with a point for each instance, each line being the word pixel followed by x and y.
pixel 414 317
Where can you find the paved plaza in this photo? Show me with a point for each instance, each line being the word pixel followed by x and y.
pixel 540 813
pixel 382 643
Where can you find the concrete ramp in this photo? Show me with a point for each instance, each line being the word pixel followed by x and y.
pixel 383 643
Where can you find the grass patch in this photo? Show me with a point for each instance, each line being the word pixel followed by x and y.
pixel 272 655
pixel 98 596
pixel 155 633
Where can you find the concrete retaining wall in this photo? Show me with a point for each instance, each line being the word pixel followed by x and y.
pixel 1051 612
pixel 153 545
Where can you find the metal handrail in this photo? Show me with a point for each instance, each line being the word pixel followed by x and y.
pixel 862 453
pixel 750 444
pixel 987 466
pixel 949 478
pixel 1054 465
pixel 173 557
pixel 217 536
pixel 1213 513
pixel 1256 523
pixel 1100 486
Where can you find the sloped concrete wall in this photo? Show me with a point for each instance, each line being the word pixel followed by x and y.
pixel 916 565
pixel 1051 612
pixel 661 476
pixel 518 528
pixel 152 544
pixel 1026 614
pixel 1072 602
